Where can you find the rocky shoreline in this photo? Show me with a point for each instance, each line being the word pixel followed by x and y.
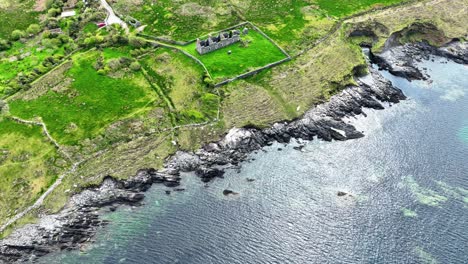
pixel 79 221
pixel 402 60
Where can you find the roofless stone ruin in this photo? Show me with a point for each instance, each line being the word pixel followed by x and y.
pixel 222 40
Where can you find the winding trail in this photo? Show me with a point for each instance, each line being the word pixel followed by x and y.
pixel 51 188
pixel 112 18
pixel 46 132
pixel 41 199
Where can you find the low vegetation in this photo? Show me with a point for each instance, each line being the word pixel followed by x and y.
pixel 186 94
pixel 101 90
pixel 29 164
pixel 340 8
pixel 16 15
pixel 181 20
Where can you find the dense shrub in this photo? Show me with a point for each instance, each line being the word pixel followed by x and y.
pixel 4 44
pixel 52 22
pixel 53 12
pixel 51 43
pixel 2 104
pixel 114 64
pixel 136 42
pixel 17 34
pixel 135 66
pixel 33 29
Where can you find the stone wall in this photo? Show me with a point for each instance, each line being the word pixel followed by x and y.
pixel 251 73
pixel 217 45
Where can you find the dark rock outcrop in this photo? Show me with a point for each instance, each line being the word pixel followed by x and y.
pixel 229 192
pixel 340 193
pixel 402 60
pixel 207 174
pixel 77 223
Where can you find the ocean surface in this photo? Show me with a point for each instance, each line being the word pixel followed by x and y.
pixel 406 185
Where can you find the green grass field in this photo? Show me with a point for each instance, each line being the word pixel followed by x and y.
pixel 183 19
pixel 257 53
pixel 187 95
pixel 92 101
pixel 284 21
pixel 340 8
pixel 28 165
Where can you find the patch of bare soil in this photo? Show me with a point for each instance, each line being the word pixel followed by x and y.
pixel 194 9
pixel 40 5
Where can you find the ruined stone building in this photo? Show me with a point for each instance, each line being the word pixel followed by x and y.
pixel 223 39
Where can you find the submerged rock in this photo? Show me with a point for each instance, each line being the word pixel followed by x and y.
pixel 207 174
pixel 229 192
pixel 340 193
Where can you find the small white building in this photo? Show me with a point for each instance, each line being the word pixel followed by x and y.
pixel 68 13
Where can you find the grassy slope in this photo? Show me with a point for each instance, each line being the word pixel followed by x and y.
pixel 16 14
pixel 328 67
pixel 9 69
pixel 188 96
pixel 91 103
pixel 180 80
pixel 292 23
pixel 243 97
pixel 28 165
pixel 340 8
pixel 447 16
pixel 259 52
pixel 293 87
pixel 183 20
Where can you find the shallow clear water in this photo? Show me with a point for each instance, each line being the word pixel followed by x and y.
pixel 408 202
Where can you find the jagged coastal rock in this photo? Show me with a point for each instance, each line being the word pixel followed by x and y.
pixel 77 223
pixel 401 60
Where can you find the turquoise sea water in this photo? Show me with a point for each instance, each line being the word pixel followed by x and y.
pixel 463 134
pixel 407 202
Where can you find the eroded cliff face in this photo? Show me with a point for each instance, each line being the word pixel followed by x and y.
pixel 404 48
pixel 402 36
pixel 437 22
